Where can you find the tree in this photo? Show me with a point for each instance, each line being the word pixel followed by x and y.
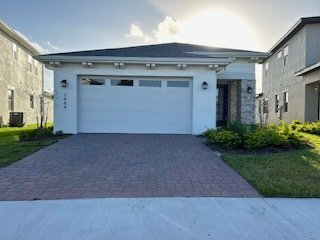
pixel 41 109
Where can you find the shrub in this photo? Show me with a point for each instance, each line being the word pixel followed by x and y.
pixel 59 133
pixel 264 136
pixel 240 128
pixel 254 137
pixel 209 132
pixel 36 134
pixel 223 138
pixel 313 128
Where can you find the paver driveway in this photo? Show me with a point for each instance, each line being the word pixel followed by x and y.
pixel 122 165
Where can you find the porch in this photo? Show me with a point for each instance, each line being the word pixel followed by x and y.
pixel 235 101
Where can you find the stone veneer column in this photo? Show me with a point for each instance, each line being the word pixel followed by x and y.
pixel 247 101
pixel 233 101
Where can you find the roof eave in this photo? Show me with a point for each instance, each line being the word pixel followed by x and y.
pixel 242 54
pixel 137 60
pixel 307 70
pixel 17 38
pixel 293 30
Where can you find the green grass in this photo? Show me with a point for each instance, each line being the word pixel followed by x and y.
pixel 288 174
pixel 11 149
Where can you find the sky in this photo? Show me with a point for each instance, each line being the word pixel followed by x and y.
pixel 74 25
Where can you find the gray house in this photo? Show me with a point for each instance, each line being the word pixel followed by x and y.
pixel 21 77
pixel 291 75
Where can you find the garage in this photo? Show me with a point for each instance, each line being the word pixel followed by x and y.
pixel 134 105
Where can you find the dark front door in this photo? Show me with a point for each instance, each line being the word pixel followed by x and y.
pixel 222 104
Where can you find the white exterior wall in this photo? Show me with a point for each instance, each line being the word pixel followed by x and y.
pixel 237 70
pixel 204 101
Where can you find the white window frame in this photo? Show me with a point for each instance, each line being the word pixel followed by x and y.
pixel 285 54
pixel 35 63
pixel 279 54
pixel 285 101
pixel 14 51
pixel 30 63
pixel 277 103
pixel 266 68
pixel 10 100
pixel 265 106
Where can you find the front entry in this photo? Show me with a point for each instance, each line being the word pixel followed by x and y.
pixel 222 104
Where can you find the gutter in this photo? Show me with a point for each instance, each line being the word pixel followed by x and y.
pixel 138 60
pixel 306 70
pixel 17 38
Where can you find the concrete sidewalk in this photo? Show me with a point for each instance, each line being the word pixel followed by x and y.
pixel 161 218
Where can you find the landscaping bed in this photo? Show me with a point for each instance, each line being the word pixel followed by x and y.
pixel 279 161
pixel 13 149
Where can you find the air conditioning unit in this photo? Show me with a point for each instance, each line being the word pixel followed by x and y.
pixel 16 119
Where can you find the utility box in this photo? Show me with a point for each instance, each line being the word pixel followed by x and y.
pixel 16 119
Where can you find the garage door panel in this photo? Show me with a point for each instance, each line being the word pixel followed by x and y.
pixel 93 116
pixel 92 105
pixel 135 109
pixel 152 106
pixel 93 127
pixel 122 117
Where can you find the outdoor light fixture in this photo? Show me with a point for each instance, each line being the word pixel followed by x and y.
pixel 317 88
pixel 204 85
pixel 64 83
pixel 249 90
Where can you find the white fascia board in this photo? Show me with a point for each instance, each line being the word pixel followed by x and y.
pixel 233 54
pixel 133 60
pixel 17 38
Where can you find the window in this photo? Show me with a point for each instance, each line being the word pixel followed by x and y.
pixel 10 100
pixel 14 51
pixel 41 99
pixel 276 103
pixel 115 82
pixel 265 105
pixel 260 106
pixel 285 101
pixel 36 67
pixel 150 83
pixel 279 54
pixel 266 68
pixel 30 63
pixel 285 55
pixel 92 81
pixel 178 84
pixel 31 101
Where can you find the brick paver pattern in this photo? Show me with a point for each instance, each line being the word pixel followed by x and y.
pixel 122 165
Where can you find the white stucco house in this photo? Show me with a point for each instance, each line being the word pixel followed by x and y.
pixel 164 88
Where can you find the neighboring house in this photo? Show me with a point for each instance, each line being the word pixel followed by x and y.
pixel 291 75
pixel 163 88
pixel 21 76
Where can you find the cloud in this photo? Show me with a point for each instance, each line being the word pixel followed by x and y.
pixel 49 48
pixel 168 28
pixel 135 31
pixel 34 44
pixel 53 47
pixel 164 31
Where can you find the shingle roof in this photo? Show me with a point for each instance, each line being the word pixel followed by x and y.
pixel 165 50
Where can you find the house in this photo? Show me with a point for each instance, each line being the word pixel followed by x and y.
pixel 164 88
pixel 21 78
pixel 291 75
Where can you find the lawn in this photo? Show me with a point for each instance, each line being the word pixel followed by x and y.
pixel 11 149
pixel 288 174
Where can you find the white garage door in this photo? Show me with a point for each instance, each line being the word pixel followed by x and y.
pixel 108 105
